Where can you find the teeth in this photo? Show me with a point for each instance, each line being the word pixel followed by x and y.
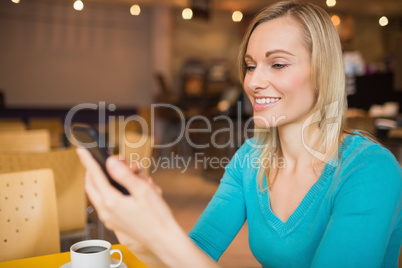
pixel 266 100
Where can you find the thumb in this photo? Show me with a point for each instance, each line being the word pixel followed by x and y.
pixel 122 174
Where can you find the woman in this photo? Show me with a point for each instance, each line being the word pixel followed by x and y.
pixel 312 193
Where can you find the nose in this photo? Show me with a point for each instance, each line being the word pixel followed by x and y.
pixel 257 80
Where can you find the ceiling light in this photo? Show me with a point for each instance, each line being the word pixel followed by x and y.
pixel 135 10
pixel 15 1
pixel 383 21
pixel 335 20
pixel 331 3
pixel 237 16
pixel 78 5
pixel 187 14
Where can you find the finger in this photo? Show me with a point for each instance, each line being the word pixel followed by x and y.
pixel 94 197
pixel 99 204
pixel 92 192
pixel 138 169
pixel 93 170
pixel 150 182
pixel 96 175
pixel 123 175
pixel 135 166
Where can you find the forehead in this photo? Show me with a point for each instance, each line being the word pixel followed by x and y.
pixel 281 33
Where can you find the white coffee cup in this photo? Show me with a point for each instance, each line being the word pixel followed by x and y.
pixel 93 254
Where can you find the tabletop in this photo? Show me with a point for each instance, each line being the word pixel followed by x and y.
pixel 57 260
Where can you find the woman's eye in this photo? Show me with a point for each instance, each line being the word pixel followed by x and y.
pixel 250 68
pixel 279 66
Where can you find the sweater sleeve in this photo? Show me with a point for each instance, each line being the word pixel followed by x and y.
pixel 225 214
pixel 366 211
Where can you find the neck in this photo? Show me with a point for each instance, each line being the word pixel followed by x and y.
pixel 294 141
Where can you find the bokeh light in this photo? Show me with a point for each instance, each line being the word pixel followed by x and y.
pixel 237 16
pixel 383 21
pixel 135 10
pixel 78 5
pixel 187 14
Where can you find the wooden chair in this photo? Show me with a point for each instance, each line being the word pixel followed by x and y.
pixel 24 141
pixel 133 148
pixel 8 125
pixel 29 222
pixel 53 125
pixel 113 133
pixel 125 144
pixel 69 180
pixel 11 119
pixel 120 140
pixel 365 123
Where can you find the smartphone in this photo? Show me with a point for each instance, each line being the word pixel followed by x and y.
pixel 88 137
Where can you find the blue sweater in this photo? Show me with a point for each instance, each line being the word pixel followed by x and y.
pixel 351 217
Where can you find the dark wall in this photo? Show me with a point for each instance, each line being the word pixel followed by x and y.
pixel 374 89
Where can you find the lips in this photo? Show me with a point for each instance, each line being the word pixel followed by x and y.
pixel 261 103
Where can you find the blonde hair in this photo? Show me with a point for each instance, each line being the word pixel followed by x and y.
pixel 327 75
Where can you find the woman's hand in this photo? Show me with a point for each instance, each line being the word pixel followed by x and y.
pixel 136 215
pixel 142 217
pixel 138 170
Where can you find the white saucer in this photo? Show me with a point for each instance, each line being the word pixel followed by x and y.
pixel 122 265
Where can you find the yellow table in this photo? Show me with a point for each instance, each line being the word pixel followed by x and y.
pixel 57 260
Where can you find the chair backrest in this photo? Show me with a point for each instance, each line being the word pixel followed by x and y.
pixel 53 125
pixel 137 147
pixel 113 130
pixel 362 123
pixel 12 125
pixel 69 180
pixel 24 141
pixel 29 222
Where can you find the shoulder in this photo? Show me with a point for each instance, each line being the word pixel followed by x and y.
pixel 357 149
pixel 248 150
pixel 245 158
pixel 250 145
pixel 365 164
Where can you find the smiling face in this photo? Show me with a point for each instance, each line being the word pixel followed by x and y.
pixel 278 74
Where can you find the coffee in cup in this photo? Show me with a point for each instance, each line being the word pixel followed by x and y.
pixel 93 254
pixel 91 249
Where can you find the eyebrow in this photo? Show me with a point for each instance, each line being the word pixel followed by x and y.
pixel 271 52
pixel 277 51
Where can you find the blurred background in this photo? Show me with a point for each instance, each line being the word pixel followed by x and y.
pixel 125 55
pixel 53 56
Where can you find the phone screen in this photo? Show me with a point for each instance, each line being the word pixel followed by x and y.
pixel 86 136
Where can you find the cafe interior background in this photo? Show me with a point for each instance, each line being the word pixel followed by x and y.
pixel 125 55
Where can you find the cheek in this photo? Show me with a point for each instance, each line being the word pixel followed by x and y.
pixel 245 84
pixel 299 85
pixel 247 90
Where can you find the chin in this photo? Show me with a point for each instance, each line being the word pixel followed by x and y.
pixel 262 124
pixel 265 122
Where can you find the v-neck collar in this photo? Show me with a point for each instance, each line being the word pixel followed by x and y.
pixel 297 215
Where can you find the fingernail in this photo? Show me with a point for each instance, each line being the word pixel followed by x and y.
pixel 113 164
